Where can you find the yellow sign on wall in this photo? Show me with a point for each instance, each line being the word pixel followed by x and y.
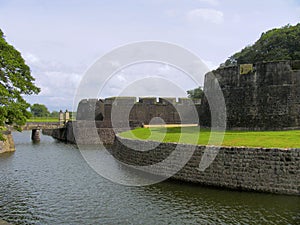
pixel 246 68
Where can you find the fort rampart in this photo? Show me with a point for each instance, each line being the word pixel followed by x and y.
pixel 265 97
pixel 170 110
pixel 259 169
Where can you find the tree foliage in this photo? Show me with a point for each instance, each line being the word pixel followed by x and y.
pixel 15 81
pixel 54 114
pixel 195 94
pixel 276 44
pixel 39 110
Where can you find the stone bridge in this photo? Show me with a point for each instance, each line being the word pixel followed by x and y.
pixel 37 126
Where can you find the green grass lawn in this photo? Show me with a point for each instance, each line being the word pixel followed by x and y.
pixel 191 135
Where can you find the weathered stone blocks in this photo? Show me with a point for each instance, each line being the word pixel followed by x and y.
pixel 268 98
pixel 258 169
pixel 141 112
pixel 8 144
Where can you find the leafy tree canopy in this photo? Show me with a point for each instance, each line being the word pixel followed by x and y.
pixel 276 44
pixel 195 94
pixel 15 81
pixel 39 110
pixel 54 114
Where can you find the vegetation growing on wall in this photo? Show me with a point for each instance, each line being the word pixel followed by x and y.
pixel 195 94
pixel 276 44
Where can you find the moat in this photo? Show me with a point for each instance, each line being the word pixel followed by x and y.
pixel 50 183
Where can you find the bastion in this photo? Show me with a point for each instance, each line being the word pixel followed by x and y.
pixel 264 97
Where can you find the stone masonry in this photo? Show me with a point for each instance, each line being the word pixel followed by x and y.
pixel 141 112
pixel 266 98
pixel 8 144
pixel 258 169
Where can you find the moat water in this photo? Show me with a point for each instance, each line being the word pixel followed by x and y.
pixel 50 183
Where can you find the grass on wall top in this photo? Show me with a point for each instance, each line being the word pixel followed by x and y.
pixel 193 135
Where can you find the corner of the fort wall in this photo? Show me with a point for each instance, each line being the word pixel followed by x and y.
pixel 87 109
pixel 8 144
pixel 266 97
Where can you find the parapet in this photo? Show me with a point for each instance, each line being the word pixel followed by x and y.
pixel 125 100
pixel 142 111
pixel 148 100
pixel 167 101
pixel 185 101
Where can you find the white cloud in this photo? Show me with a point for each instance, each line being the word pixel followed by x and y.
pixel 153 86
pixel 210 2
pixel 77 34
pixel 148 79
pixel 121 78
pixel 58 82
pixel 31 58
pixel 236 18
pixel 210 64
pixel 172 12
pixel 206 15
pixel 164 69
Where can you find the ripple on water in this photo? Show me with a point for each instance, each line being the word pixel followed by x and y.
pixel 50 183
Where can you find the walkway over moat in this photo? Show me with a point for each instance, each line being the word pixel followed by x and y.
pixel 37 126
pixel 63 118
pixel 41 125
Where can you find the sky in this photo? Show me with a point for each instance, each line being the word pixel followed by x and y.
pixel 61 39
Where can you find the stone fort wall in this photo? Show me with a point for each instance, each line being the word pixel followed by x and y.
pixel 267 97
pixel 141 111
pixel 243 168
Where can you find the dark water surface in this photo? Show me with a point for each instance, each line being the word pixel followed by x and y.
pixel 50 183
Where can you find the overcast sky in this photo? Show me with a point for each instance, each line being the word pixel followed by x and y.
pixel 60 39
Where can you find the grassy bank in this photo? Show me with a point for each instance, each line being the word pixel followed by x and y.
pixel 191 135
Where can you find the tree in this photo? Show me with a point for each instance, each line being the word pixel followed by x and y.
pixel 276 44
pixel 15 81
pixel 195 94
pixel 39 110
pixel 54 114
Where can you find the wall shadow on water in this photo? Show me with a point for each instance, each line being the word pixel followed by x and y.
pixel 216 205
